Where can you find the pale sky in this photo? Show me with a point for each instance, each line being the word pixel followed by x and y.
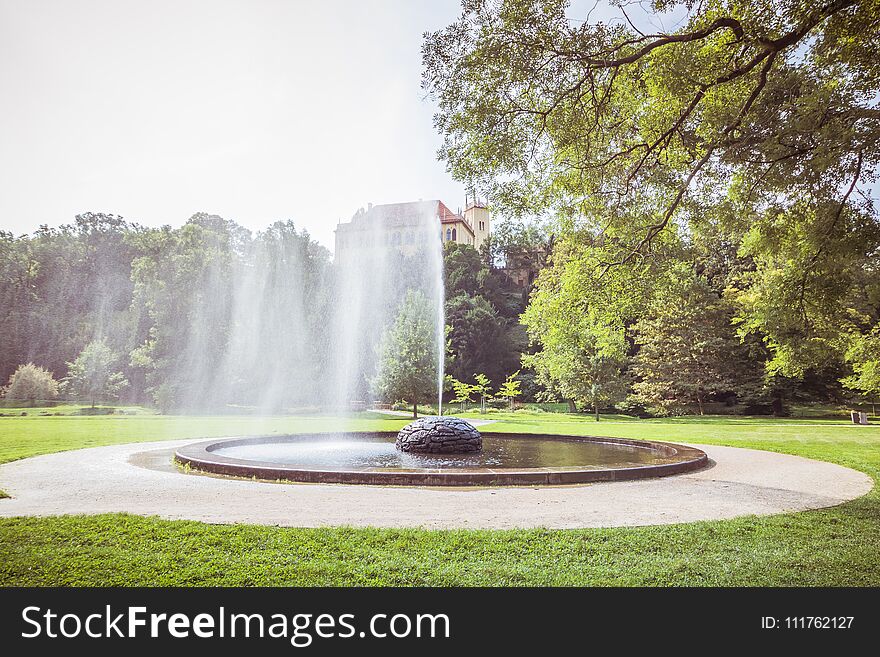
pixel 254 110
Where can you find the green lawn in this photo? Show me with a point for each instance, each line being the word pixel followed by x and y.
pixel 839 546
pixel 21 437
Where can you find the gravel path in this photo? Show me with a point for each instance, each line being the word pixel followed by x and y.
pixel 140 478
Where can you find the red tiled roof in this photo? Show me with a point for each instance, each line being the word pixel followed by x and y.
pixel 447 216
pixel 445 213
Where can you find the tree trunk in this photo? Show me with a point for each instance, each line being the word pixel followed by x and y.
pixel 572 408
pixel 415 410
pixel 596 410
pixel 700 404
pixel 778 406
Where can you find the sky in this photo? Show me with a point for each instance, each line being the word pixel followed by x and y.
pixel 254 110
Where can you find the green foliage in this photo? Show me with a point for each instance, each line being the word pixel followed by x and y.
pixel 688 352
pixel 482 306
pixel 171 290
pixel 59 287
pixel 91 376
pixel 483 388
pixel 31 383
pixel 408 356
pixel 478 338
pixel 864 356
pixel 740 145
pixel 463 392
pixel 580 359
pixel 463 269
pixel 510 388
pixel 808 292
pixel 200 344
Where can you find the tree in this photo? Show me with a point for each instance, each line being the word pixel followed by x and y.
pixel 583 360
pixel 756 119
pixel 482 309
pixel 182 294
pixel 520 245
pixel 407 354
pixel 688 349
pixel 463 269
pixel 91 375
pixel 463 392
pixel 31 383
pixel 510 389
pixel 483 388
pixel 480 340
pixel 60 286
pixel 864 357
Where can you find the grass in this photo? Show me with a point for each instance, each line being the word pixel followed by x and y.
pixel 65 408
pixel 831 547
pixel 32 435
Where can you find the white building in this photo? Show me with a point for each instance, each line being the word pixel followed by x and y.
pixel 403 225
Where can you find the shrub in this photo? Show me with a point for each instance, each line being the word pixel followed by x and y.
pixel 31 383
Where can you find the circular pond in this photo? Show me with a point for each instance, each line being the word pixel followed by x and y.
pixel 506 459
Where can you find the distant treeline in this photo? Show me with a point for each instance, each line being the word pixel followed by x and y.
pixel 158 297
pixel 209 315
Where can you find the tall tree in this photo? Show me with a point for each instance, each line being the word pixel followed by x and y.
pixel 689 352
pixel 763 113
pixel 864 357
pixel 582 360
pixel 61 286
pixel 92 377
pixel 482 309
pixel 408 355
pixel 182 297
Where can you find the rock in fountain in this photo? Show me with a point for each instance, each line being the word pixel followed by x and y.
pixel 439 435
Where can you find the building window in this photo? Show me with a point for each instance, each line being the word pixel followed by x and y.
pixel 453 234
pixel 448 234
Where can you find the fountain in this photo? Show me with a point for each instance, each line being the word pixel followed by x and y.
pixel 280 353
pixel 439 435
pixel 406 458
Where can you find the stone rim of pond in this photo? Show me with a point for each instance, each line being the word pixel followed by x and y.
pixel 671 459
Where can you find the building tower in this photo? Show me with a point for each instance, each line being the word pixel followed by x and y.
pixel 476 214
